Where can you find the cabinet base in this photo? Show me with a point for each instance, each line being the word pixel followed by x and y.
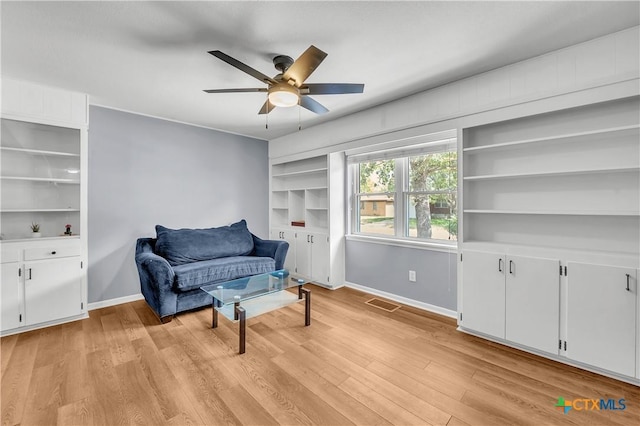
pixel 43 325
pixel 558 358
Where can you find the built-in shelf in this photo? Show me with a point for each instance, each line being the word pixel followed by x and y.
pixel 556 212
pixel 39 152
pixel 553 173
pixel 43 179
pixel 300 172
pixel 38 210
pixel 516 144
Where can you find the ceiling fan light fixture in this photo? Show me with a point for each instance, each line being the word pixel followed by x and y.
pixel 283 95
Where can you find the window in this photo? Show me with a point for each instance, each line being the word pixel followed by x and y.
pixel 407 193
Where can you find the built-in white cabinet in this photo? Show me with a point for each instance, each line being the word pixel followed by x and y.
pixel 513 297
pixel 557 197
pixel 307 210
pixel 43 198
pixel 602 321
pixel 312 256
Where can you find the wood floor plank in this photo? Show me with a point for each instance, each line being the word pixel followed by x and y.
pixel 386 408
pixel 75 413
pixel 118 342
pixel 106 402
pixel 44 395
pixel 7 345
pixel 198 387
pixel 140 403
pixel 355 364
pixel 17 377
pixel 248 410
pixel 302 364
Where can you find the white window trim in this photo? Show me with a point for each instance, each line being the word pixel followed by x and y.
pixel 357 156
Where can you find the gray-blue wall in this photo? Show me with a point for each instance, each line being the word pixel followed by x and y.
pixel 145 171
pixel 386 268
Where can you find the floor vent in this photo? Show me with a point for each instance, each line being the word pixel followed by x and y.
pixel 383 304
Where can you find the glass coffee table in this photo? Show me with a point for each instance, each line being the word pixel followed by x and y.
pixel 252 296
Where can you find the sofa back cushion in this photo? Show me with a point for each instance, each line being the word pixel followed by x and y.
pixel 180 246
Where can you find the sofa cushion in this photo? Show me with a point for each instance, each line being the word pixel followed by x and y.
pixel 180 246
pixel 194 275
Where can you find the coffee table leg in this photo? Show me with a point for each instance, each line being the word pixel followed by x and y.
pixel 307 305
pixel 214 319
pixel 242 316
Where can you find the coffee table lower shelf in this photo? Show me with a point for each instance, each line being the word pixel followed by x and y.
pixel 258 306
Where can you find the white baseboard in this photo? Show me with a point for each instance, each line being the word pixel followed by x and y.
pixel 404 300
pixel 113 302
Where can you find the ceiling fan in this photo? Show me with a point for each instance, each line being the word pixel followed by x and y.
pixel 288 88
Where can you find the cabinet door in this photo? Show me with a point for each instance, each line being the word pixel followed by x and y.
pixel 290 261
pixel 533 302
pixel 290 237
pixel 12 297
pixel 320 258
pixel 601 320
pixel 303 254
pixel 483 292
pixel 53 290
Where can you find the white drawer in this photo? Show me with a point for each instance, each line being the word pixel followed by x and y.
pixel 51 252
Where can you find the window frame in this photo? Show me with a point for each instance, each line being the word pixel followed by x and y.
pixel 401 196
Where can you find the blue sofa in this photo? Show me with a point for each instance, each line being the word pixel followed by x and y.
pixel 174 265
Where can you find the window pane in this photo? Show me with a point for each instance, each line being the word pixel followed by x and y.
pixel 377 176
pixel 433 172
pixel 433 216
pixel 377 214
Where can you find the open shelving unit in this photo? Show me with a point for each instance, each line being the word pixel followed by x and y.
pixel 307 204
pixel 300 193
pixel 570 178
pixel 40 178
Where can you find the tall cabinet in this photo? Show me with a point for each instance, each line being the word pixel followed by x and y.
pixel 43 169
pixel 559 192
pixel 307 200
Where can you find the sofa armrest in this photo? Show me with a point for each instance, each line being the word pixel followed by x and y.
pixel 276 249
pixel 156 279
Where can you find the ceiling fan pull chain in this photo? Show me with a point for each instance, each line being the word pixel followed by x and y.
pixel 266 121
pixel 299 119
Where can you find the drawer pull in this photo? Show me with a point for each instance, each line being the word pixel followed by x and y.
pixel 53 252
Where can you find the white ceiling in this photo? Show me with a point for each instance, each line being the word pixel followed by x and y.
pixel 151 57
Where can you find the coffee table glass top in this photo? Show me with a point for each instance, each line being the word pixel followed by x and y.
pixel 242 289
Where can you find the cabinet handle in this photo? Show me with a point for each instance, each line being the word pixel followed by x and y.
pixel 308 238
pixel 500 265
pixel 628 278
pixel 312 239
pixel 53 252
pixel 29 273
pixel 510 266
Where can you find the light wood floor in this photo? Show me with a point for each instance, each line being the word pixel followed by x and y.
pixel 355 364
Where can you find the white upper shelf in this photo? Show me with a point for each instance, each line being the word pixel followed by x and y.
pixel 40 152
pixel 507 145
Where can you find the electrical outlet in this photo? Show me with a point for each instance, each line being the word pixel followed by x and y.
pixel 412 276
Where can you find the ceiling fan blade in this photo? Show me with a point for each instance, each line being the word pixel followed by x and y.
pixel 236 90
pixel 243 67
pixel 331 88
pixel 267 107
pixel 312 105
pixel 302 68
